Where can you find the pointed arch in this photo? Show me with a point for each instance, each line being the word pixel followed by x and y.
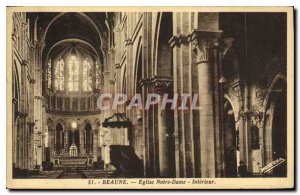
pixel 275 124
pixel 74 40
pixel 163 60
pixel 276 79
pixel 59 138
pixel 230 134
pixel 83 15
pixel 138 72
pixel 62 122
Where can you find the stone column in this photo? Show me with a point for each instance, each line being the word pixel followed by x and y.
pixel 242 144
pixel 51 140
pixel 61 141
pixel 66 141
pixel 202 41
pixel 55 141
pixel 186 135
pixel 91 138
pixel 101 142
pixel 95 145
pixel 107 141
pixel 244 138
pixel 126 138
pixel 150 167
pixel 23 114
pixel 22 120
pixel 30 142
pixel 81 142
pixel 162 86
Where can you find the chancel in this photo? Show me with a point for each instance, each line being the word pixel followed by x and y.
pixel 234 62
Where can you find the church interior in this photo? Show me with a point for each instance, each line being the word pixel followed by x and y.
pixel 62 63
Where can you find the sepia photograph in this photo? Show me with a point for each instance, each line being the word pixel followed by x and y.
pixel 150 98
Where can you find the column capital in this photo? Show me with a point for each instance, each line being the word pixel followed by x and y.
pixel 25 63
pixel 197 34
pixel 39 97
pixel 14 36
pixel 105 73
pixel 14 100
pixel 32 47
pixel 117 66
pixel 178 40
pixel 111 50
pixel 202 42
pixel 30 124
pixel 145 81
pixel 254 113
pixel 162 84
pixel 24 24
pixel 22 114
pixel 128 42
pixel 117 29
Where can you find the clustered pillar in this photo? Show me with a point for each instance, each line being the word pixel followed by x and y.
pixel 163 86
pixel 195 72
pixel 203 42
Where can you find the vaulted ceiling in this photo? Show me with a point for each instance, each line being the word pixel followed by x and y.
pixel 72 25
pixel 88 30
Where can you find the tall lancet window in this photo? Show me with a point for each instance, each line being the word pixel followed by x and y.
pixel 98 75
pixel 49 74
pixel 59 75
pixel 86 77
pixel 73 69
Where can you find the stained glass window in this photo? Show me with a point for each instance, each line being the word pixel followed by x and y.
pixel 59 75
pixel 98 75
pixel 73 69
pixel 77 69
pixel 86 77
pixel 49 74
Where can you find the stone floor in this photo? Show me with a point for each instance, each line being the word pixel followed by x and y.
pixel 72 174
pixel 76 174
pixel 102 174
pixel 45 175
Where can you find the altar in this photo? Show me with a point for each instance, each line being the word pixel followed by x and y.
pixel 72 159
pixel 63 161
